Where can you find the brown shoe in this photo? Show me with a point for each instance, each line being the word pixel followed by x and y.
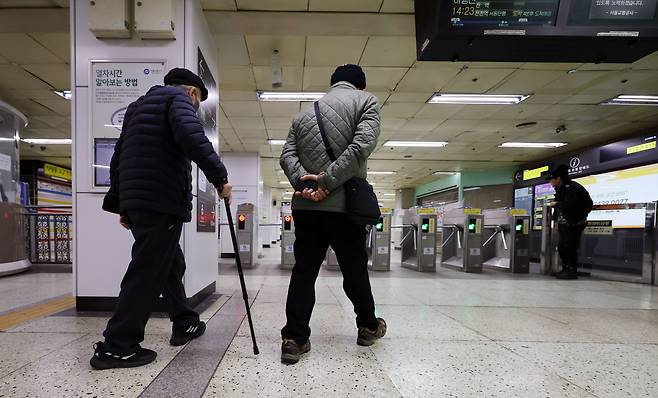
pixel 368 337
pixel 291 351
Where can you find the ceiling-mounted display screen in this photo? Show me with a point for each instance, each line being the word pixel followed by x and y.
pixel 614 12
pixel 503 13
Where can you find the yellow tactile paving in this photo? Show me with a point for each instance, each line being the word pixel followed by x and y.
pixel 23 315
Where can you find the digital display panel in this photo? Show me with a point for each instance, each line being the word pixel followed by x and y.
pixel 627 148
pixel 622 9
pixel 523 199
pixel 103 151
pixel 503 13
pixel 544 193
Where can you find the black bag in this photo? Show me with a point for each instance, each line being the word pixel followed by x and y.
pixel 360 199
pixel 111 200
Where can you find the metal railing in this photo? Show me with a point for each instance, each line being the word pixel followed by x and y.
pixel 48 235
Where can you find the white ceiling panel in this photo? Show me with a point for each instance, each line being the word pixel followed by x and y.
pixel 520 111
pixel 391 123
pixel 474 80
pixel 57 75
pixel 291 49
pixel 334 50
pixel 57 43
pixel 269 5
pixel 225 5
pixel 586 99
pixel 236 78
pixel 555 66
pixel 232 50
pixel 648 62
pixel 398 6
pixel 573 83
pixel 317 78
pixel 60 105
pixel 439 111
pixel 13 77
pixel 478 112
pixel 627 82
pixel 426 79
pixel 383 79
pixel 345 5
pixel 27 4
pixel 280 109
pixel 410 97
pixel 389 51
pixel 526 81
pixel 26 94
pixel 22 49
pixel 400 109
pixel 546 98
pixel 292 78
pixel 241 124
pixel 237 95
pixel 418 124
pixel 241 108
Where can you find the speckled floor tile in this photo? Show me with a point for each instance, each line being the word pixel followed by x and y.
pixel 516 324
pixel 627 326
pixel 335 367
pixel 20 349
pixel 269 318
pixel 278 294
pixel 467 369
pixel 66 373
pixel 606 370
pixel 85 324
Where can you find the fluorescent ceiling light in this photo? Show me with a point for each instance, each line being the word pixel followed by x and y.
pixel 419 144
pixel 47 141
pixel 288 96
pixel 532 145
pixel 3 139
pixel 66 94
pixel 381 172
pixel 442 173
pixel 389 194
pixel 651 100
pixel 285 182
pixel 100 166
pixel 276 142
pixel 472 189
pixel 477 99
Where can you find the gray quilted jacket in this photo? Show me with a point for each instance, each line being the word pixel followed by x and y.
pixel 351 120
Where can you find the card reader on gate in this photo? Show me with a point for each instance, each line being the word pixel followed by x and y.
pixel 519 225
pixel 379 227
pixel 472 225
pixel 425 225
pixel 241 221
pixel 287 222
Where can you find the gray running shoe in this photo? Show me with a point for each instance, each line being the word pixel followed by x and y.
pixel 368 337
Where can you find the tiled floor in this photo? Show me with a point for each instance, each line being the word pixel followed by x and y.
pixel 450 335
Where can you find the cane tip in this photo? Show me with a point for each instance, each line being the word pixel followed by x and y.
pixel 256 352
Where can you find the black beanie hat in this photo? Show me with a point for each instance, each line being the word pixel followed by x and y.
pixel 560 171
pixel 188 78
pixel 350 73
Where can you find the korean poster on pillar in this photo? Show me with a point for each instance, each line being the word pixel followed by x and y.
pixel 114 86
pixel 206 196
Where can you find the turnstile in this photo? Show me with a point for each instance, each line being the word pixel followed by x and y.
pixel 331 262
pixel 379 244
pixel 246 228
pixel 462 240
pixel 287 239
pixel 419 239
pixel 506 240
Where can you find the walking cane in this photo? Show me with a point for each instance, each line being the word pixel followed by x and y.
pixel 229 216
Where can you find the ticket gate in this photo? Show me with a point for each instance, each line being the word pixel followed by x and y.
pixel 379 244
pixel 462 240
pixel 419 239
pixel 331 262
pixel 246 232
pixel 506 240
pixel 287 239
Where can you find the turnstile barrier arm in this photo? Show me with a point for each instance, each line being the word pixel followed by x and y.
pixel 454 229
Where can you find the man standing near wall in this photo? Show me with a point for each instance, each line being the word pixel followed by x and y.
pixel 151 190
pixel 573 204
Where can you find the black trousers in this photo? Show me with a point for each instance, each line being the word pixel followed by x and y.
pixel 568 244
pixel 314 232
pixel 157 267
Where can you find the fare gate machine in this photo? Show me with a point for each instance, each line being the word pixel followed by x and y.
pixel 462 240
pixel 507 240
pixel 419 239
pixel 246 234
pixel 380 243
pixel 287 239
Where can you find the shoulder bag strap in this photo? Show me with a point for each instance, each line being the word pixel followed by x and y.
pixel 327 147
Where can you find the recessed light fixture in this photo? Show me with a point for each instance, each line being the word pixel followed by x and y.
pixel 288 96
pixel 276 142
pixel 47 141
pixel 389 194
pixel 532 145
pixel 477 99
pixel 446 173
pixel 381 172
pixel 418 144
pixel 66 94
pixel 647 100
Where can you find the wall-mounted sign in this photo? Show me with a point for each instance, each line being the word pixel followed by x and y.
pixel 599 227
pixel 534 173
pixel 56 171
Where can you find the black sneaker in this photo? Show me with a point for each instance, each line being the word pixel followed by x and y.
pixel 180 336
pixel 368 337
pixel 291 351
pixel 567 274
pixel 103 359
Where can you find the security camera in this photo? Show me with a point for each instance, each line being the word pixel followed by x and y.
pixel 561 129
pixel 43 148
pixel 277 70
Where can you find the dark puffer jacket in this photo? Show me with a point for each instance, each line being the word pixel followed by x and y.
pixel 150 168
pixel 573 203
